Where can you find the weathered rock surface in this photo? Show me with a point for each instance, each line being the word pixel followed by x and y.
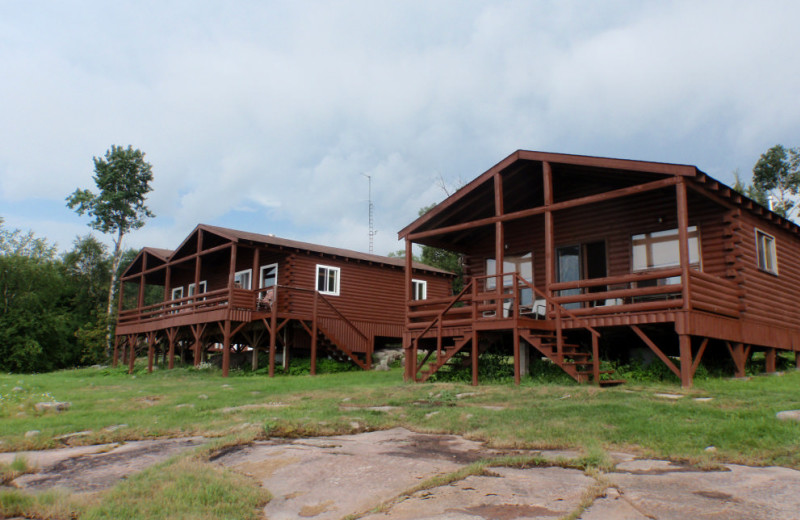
pixel 789 415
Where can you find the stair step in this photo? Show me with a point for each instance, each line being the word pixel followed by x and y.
pixel 612 382
pixel 590 372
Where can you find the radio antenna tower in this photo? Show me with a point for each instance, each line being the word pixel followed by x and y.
pixel 371 210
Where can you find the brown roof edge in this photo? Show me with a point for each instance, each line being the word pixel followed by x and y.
pixel 555 158
pixel 237 235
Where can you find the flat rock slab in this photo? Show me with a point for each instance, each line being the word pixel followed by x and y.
pixel 331 477
pixel 511 494
pixel 93 468
pixel 654 489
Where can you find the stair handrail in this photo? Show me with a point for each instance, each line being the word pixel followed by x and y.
pixel 332 307
pixel 560 307
pixel 449 306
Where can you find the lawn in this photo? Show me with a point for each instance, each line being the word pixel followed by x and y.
pixel 736 417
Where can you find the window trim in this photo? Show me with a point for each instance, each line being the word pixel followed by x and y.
pixel 337 280
pixel 250 279
pixel 772 249
pixel 691 230
pixel 422 284
pixel 203 289
pixel 175 290
pixel 261 274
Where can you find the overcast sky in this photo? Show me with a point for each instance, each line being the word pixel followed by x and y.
pixel 265 116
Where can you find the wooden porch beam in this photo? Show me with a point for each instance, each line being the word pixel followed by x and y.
pixel 590 199
pixel 683 241
pixel 499 238
pixel 179 261
pixel 667 361
pixel 700 353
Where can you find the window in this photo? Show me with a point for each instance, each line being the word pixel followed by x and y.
pixel 661 249
pixel 522 264
pixel 241 279
pixel 268 276
pixel 202 289
pixel 328 280
pixel 765 252
pixel 419 289
pixel 177 293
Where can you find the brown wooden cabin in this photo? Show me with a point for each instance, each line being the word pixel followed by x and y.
pixel 606 253
pixel 262 292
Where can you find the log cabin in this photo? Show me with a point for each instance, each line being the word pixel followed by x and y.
pixel 223 289
pixel 573 257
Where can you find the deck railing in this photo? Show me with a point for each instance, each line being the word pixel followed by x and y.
pixel 244 299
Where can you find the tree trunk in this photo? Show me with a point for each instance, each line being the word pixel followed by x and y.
pixel 110 309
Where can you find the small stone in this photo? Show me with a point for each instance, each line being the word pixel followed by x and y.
pixel 788 415
pixel 493 407
pixel 669 396
pixel 72 435
pixel 711 449
pixel 227 386
pixel 355 425
pixel 612 493
pixel 52 405
pixel 17 389
pixel 114 427
pixel 381 368
pixel 202 396
pixel 465 394
pixel 703 399
pixel 346 399
pixel 431 414
pixel 185 405
pixel 31 433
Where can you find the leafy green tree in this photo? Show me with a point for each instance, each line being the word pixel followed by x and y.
pixel 36 319
pixel 88 266
pixel 123 178
pixel 750 190
pixel 777 173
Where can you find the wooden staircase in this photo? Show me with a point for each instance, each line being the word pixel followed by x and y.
pixel 447 353
pixel 580 365
pixel 328 343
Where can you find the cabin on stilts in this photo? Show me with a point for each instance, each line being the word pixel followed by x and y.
pixel 226 294
pixel 573 258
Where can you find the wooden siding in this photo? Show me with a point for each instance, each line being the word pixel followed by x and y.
pixel 768 298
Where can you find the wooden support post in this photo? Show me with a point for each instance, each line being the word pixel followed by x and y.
pixel 596 359
pixel 133 339
pixel 739 355
pixel 517 360
pixel 656 350
pixel 499 243
pixel 408 341
pixel 683 242
pixel 273 330
pixel 797 359
pixel 549 236
pixel 474 357
pixel 115 358
pixel 770 358
pixel 226 348
pixel 699 356
pixel 685 341
pixel 171 335
pixel 167 283
pixel 314 335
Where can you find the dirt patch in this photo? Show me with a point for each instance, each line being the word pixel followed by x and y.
pixel 439 447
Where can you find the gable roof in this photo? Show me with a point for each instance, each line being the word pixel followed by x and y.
pixel 605 167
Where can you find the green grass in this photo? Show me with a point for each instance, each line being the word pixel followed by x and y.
pixel 739 421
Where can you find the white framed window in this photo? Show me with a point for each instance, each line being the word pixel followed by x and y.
pixel 243 279
pixel 328 279
pixel 203 288
pixel 268 276
pixel 419 289
pixel 177 293
pixel 766 255
pixel 661 249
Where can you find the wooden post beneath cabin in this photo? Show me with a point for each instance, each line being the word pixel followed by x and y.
pixel 517 360
pixel 226 348
pixel 499 243
pixel 474 357
pixel 797 359
pixel 683 247
pixel 549 237
pixel 133 339
pixel 770 358
pixel 273 330
pixel 115 357
pixel 685 341
pixel 171 335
